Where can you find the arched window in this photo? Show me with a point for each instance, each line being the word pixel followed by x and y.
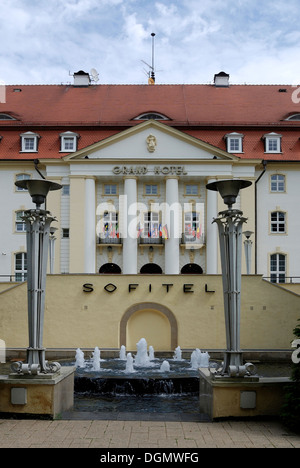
pixel 294 117
pixel 110 268
pixel 151 116
pixel 151 268
pixel 191 269
pixel 6 117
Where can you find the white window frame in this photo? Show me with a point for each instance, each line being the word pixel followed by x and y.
pixel 110 189
pixel 277 268
pixel 277 183
pixel 150 225
pixel 22 177
pixel 191 189
pixel 21 273
pixel 270 140
pixel 20 225
pixel 29 142
pixel 231 140
pixel 278 221
pixel 65 139
pixel 191 225
pixel 110 225
pixel 151 189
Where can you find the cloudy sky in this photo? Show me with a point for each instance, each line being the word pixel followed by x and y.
pixel 46 41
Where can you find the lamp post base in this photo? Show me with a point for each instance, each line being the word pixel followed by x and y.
pixel 36 364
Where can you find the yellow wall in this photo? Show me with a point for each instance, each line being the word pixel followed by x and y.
pixel 74 318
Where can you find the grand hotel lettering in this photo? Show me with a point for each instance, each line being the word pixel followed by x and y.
pixel 142 170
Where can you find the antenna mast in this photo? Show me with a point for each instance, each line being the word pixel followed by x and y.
pixel 151 73
pixel 153 69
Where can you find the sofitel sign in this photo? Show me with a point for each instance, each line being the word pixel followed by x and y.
pixel 157 170
pixel 110 287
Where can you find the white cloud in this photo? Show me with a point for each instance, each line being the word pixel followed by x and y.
pixel 255 41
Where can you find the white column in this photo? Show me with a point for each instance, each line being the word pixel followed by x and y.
pixel 173 221
pixel 90 226
pixel 211 232
pixel 130 233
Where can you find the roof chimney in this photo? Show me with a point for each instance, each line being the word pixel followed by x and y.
pixel 221 80
pixel 81 79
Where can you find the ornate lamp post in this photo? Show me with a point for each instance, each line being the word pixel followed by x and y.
pixel 230 223
pixel 37 238
pixel 52 240
pixel 248 249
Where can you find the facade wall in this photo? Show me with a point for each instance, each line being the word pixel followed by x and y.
pixel 287 202
pixel 120 308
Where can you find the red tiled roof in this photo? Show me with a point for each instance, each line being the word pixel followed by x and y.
pixel 99 111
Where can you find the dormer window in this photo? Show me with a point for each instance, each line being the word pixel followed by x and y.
pixel 234 142
pixel 272 143
pixel 68 142
pixel 151 116
pixel 6 117
pixel 29 142
pixel 295 117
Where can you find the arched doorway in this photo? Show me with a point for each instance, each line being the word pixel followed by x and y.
pixel 151 269
pixel 154 322
pixel 110 268
pixel 191 269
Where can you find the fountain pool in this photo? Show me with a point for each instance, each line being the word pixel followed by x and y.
pixel 138 382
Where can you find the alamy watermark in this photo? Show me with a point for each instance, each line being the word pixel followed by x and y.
pixel 296 353
pixel 159 220
pixel 2 352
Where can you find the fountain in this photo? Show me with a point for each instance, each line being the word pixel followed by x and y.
pixel 129 364
pixel 165 367
pixel 142 374
pixel 79 358
pixel 199 359
pixel 122 354
pixel 151 353
pixel 96 359
pixel 142 358
pixel 177 354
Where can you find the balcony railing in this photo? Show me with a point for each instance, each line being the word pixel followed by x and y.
pixel 109 240
pixel 150 240
pixel 193 239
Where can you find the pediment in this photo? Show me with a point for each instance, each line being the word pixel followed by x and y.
pixel 151 140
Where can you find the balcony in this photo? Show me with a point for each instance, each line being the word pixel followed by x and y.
pixel 193 241
pixel 152 240
pixel 109 240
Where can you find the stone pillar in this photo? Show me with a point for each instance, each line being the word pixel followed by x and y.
pixel 211 231
pixel 90 226
pixel 173 220
pixel 129 231
pixel 77 225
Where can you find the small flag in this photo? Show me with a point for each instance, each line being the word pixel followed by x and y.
pixel 139 230
pixel 165 232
